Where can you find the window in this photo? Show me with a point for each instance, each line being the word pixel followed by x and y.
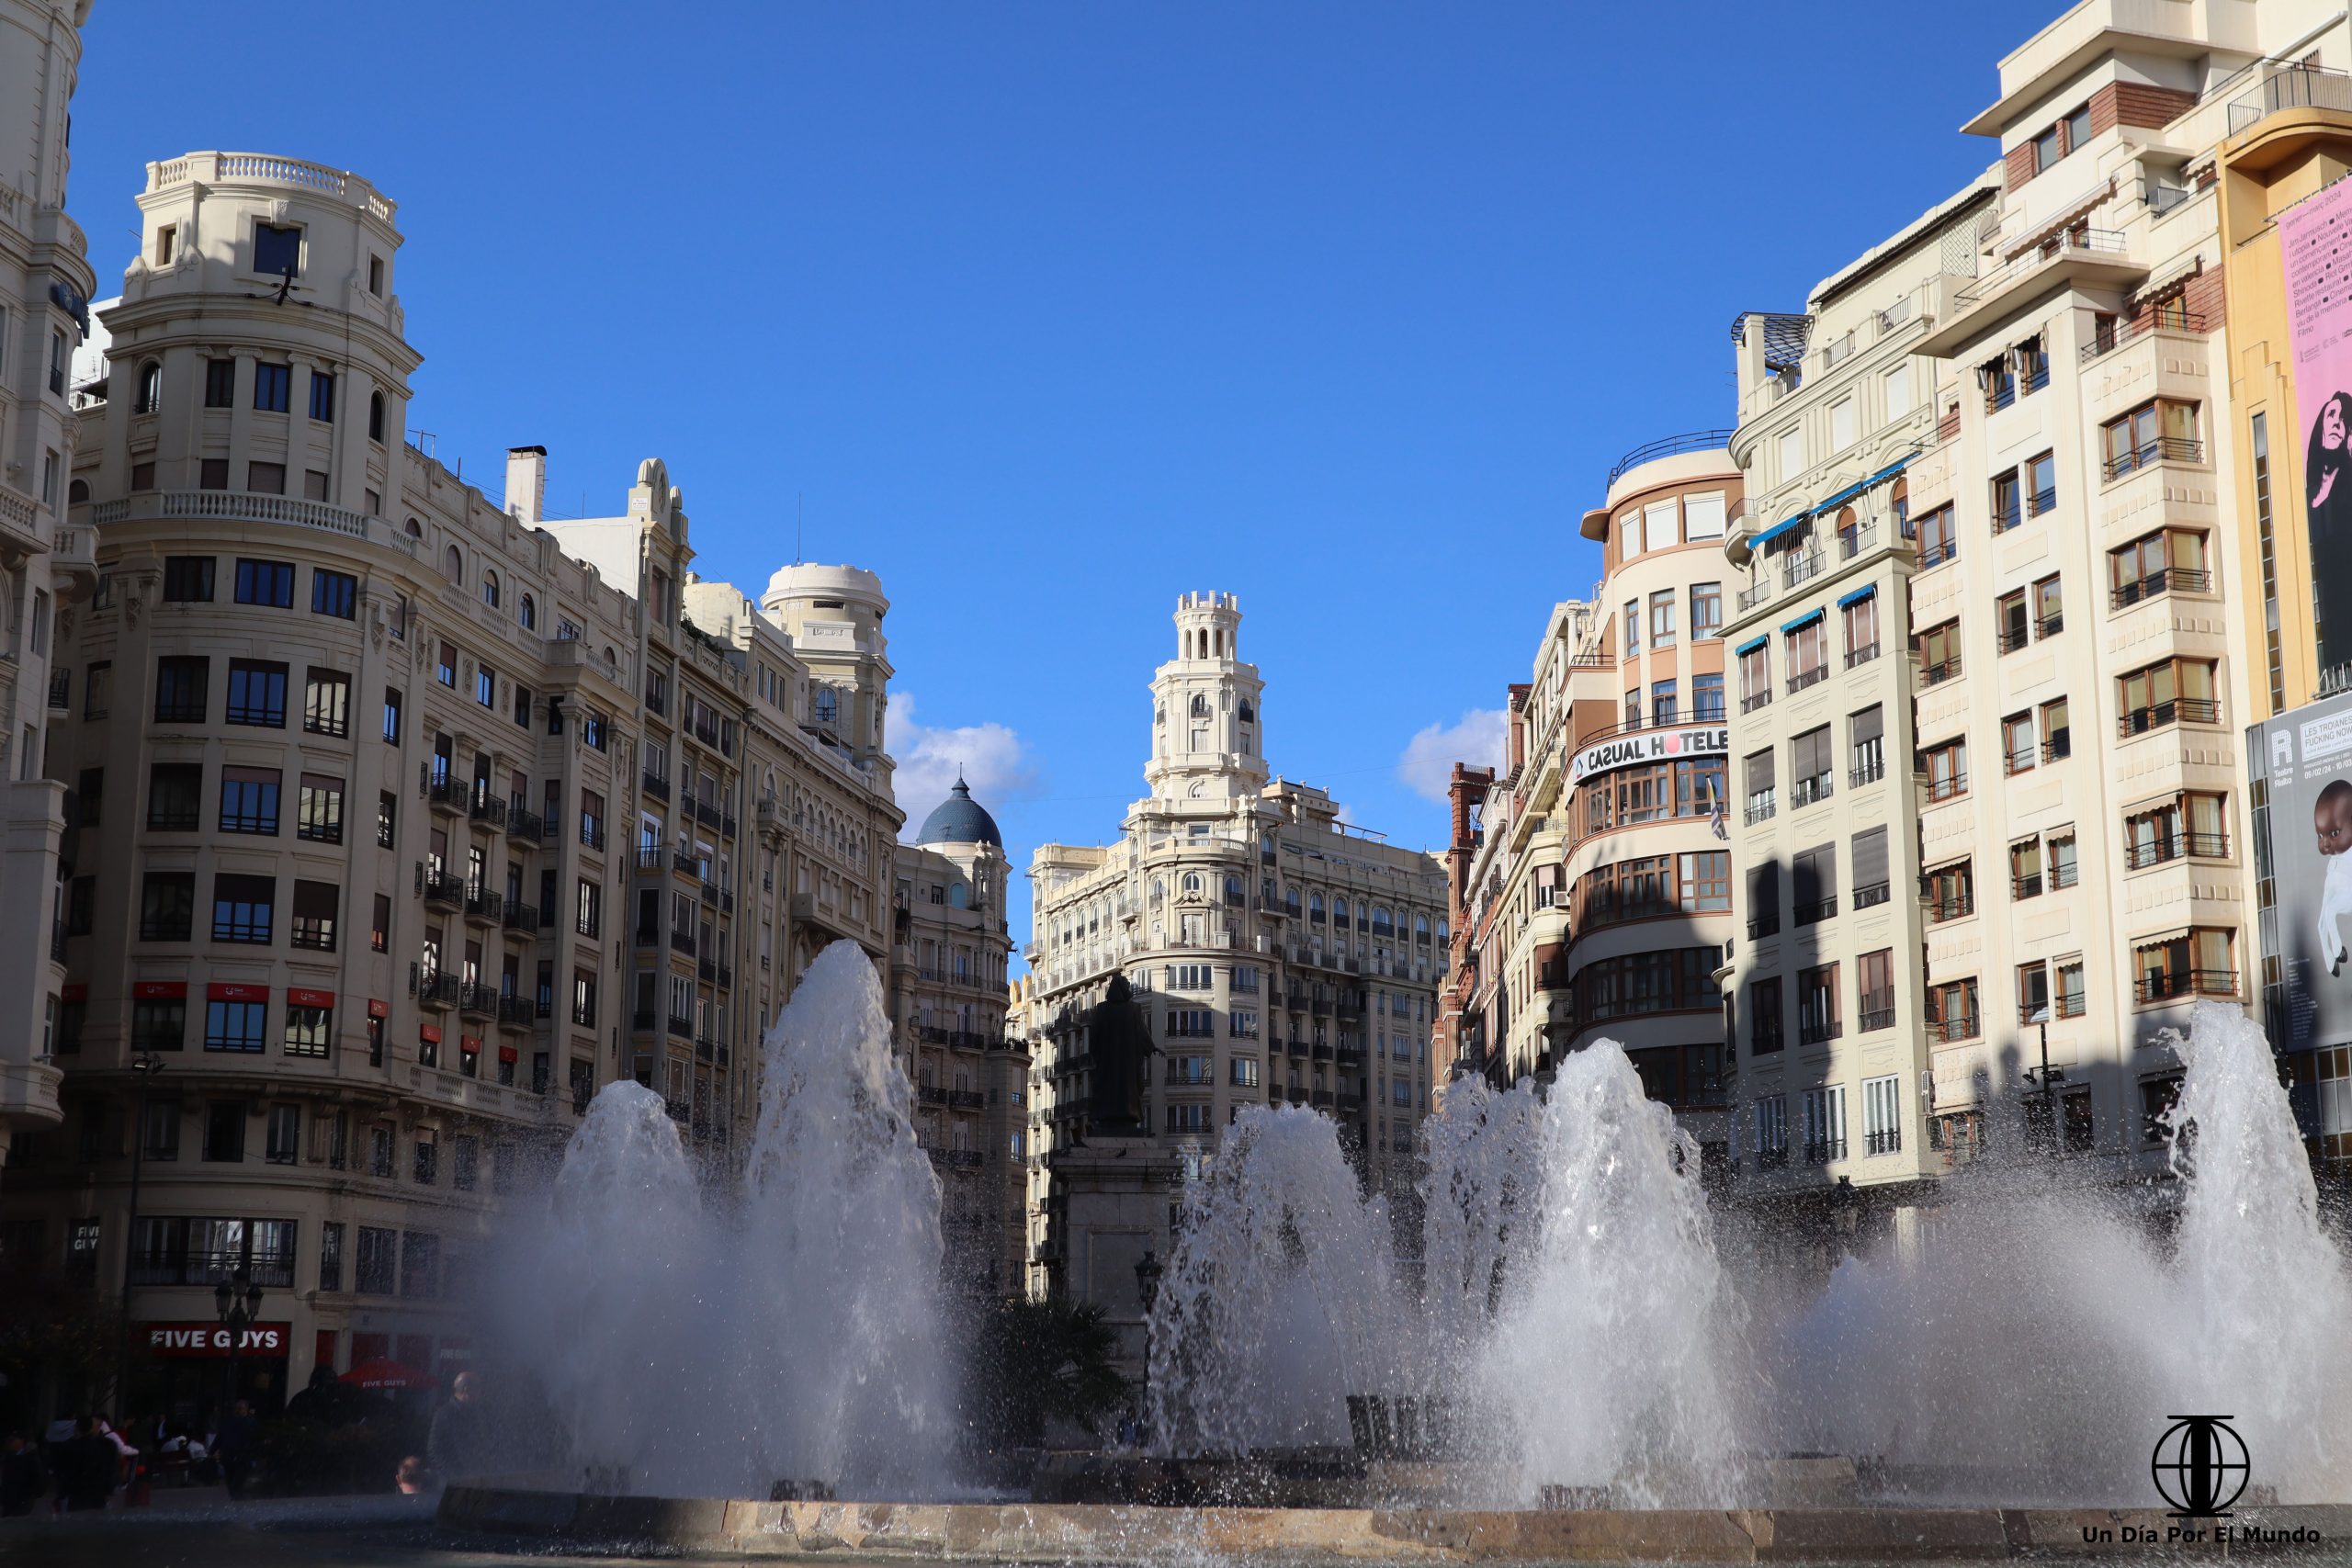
pixel 2018 747
pixel 2048 611
pixel 257 694
pixel 331 1255
pixel 273 384
pixel 391 717
pixel 445 668
pixel 2007 513
pixel 1792 452
pixel 1706 611
pixel 1808 652
pixel 2155 432
pixel 1871 875
pixel 583 999
pixel 527 614
pixel 175 796
pixel 180 689
pixel 187 579
pixel 1867 730
pixel 426 1168
pixel 2040 477
pixel 379 1249
pixel 150 394
pixel 1632 627
pixel 220 383
pixel 1841 424
pixel 2063 872
pixel 1949 891
pixel 1874 973
pixel 1939 538
pixel 2025 869
pixel 1706 698
pixel 1762 801
pixel 2171 559
pixel 2048 148
pixel 243 909
pixel 167 906
pixel 326 702
pixel 2199 961
pixel 1896 387
pixel 224 1129
pixel 1703 518
pixel 2009 621
pixel 1663 706
pixel 283 1140
pixel 269 582
pixel 212 473
pixel 1764 1019
pixel 1940 653
pixel 1862 629
pixel 159 1024
pixel 1811 769
pixel 2034 992
pixel 309 1027
pixel 1814 885
pixel 380 931
pixel 1705 882
pixel 1952 1011
pixel 1998 378
pixel 1883 1115
pixel 1754 675
pixel 277 251
pixel 2176 690
pixel 235 1026
pixel 2070 988
pixel 249 801
pixel 2193 824
pixel 1824 1124
pixel 333 593
pixel 1772 1132
pixel 1662 619
pixel 315 906
pixel 485 687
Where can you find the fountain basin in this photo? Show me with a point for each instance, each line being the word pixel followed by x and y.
pixel 1064 1533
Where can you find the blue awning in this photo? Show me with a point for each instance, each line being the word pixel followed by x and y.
pixel 1777 529
pixel 1803 621
pixel 1857 595
pixel 1744 649
pixel 1840 499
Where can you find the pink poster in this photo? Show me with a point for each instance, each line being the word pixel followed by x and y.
pixel 2315 248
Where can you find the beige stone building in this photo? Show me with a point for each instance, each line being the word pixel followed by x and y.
pixel 2048 536
pixel 1591 874
pixel 951 944
pixel 408 819
pixel 1282 955
pixel 45 286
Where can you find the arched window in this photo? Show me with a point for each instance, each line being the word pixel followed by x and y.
pixel 1200 706
pixel 1315 908
pixel 453 565
pixel 529 614
pixel 1339 914
pixel 77 492
pixel 1191 882
pixel 376 417
pixel 1159 890
pixel 1421 928
pixel 490 588
pixel 1233 891
pixel 150 386
pixel 828 704
pixel 1899 500
pixel 415 529
pixel 959 897
pixel 1249 713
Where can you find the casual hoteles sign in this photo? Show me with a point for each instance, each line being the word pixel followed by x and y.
pixel 212 1339
pixel 1649 747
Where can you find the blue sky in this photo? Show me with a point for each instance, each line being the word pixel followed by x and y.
pixel 1051 312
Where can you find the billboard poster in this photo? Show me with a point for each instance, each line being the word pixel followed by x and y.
pixel 2305 755
pixel 2316 250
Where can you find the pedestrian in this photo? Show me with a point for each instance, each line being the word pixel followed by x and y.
pixel 233 1445
pixel 85 1465
pixel 21 1481
pixel 457 1445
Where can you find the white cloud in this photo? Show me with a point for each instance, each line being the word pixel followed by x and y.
pixel 1478 738
pixel 993 757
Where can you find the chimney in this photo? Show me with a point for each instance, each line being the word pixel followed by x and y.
pixel 527 484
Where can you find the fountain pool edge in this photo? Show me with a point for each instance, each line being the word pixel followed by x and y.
pixel 1062 1533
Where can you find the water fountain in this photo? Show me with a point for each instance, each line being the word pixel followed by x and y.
pixel 1562 1300
pixel 784 1332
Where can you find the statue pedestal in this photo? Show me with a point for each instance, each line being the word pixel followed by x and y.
pixel 1115 1193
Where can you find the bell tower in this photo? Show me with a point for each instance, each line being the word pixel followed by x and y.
pixel 1206 740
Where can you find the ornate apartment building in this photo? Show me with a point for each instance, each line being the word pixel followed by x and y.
pixel 1281 954
pixel 951 946
pixel 1591 877
pixel 45 284
pixel 406 820
pixel 2007 478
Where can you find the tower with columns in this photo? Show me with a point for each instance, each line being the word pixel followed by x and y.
pixel 1208 741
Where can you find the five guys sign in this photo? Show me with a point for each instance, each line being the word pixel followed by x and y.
pixel 263 1339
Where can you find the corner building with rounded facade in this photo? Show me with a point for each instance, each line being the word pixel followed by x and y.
pixel 1593 892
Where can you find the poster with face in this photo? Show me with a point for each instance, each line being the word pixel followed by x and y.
pixel 2315 249
pixel 2305 756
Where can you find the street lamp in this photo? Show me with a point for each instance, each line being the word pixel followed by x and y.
pixel 238 1301
pixel 2047 1078
pixel 146 1065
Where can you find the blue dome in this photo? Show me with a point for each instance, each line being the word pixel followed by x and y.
pixel 959 820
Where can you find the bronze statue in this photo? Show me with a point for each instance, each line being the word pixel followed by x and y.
pixel 1120 1042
